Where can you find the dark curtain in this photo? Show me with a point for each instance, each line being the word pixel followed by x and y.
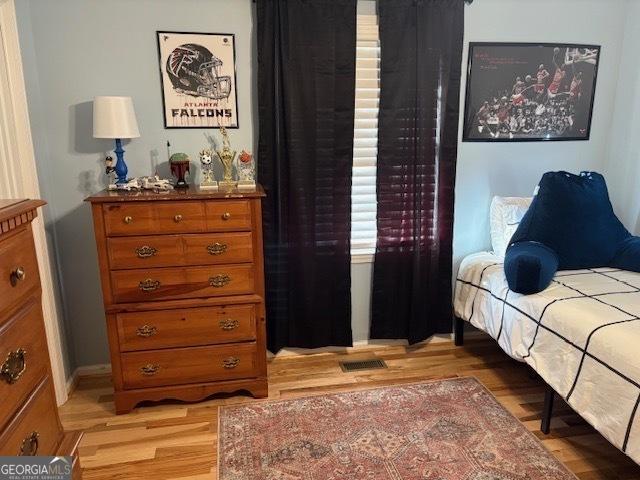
pixel 306 78
pixel 421 54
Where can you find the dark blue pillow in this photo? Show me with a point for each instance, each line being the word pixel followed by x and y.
pixel 572 216
pixel 529 267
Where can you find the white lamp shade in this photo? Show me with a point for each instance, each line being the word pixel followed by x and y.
pixel 114 117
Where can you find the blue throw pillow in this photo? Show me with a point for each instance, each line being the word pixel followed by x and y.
pixel 571 215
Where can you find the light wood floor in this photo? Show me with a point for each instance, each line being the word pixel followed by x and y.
pixel 174 440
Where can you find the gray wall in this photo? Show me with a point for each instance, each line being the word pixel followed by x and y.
pixel 486 169
pixel 623 162
pixel 76 49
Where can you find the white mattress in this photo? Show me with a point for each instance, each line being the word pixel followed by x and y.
pixel 581 334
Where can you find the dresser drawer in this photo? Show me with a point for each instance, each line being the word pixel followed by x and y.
pixel 23 349
pixel 35 430
pixel 228 215
pixel 186 327
pixel 154 217
pixel 176 283
pixel 189 365
pixel 178 250
pixel 18 268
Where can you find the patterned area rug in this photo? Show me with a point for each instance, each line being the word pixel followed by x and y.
pixel 445 430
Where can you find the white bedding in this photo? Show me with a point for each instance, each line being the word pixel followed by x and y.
pixel 581 334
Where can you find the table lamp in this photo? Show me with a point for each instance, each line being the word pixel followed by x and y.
pixel 114 117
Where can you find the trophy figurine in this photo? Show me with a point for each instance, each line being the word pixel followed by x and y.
pixel 226 157
pixel 246 172
pixel 208 181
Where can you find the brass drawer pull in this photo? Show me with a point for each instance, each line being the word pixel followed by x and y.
pixel 217 248
pixel 177 218
pixel 231 362
pixel 229 324
pixel 146 251
pixel 14 366
pixel 218 281
pixel 29 446
pixel 149 285
pixel 17 276
pixel 149 369
pixel 127 219
pixel 226 216
pixel 146 331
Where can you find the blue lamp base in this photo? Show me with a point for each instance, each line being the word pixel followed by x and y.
pixel 121 167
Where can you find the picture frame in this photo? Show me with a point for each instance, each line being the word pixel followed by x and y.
pixel 198 79
pixel 525 92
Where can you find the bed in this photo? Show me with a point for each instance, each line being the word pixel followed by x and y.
pixel 581 335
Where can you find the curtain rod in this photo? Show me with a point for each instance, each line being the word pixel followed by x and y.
pixel 468 2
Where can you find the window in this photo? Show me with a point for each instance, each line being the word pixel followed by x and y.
pixel 365 136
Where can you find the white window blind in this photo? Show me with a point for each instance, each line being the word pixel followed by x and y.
pixel 365 136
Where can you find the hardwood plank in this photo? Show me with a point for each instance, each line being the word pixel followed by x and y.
pixel 179 440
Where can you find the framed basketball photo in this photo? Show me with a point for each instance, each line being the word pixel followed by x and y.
pixel 529 92
pixel 198 79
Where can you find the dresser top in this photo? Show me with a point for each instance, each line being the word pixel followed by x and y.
pixel 191 193
pixel 10 208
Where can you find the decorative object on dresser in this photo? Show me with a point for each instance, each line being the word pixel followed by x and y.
pixel 115 118
pixel 29 422
pixel 226 156
pixel 183 286
pixel 180 168
pixel 208 181
pixel 246 172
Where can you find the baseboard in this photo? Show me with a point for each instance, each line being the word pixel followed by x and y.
pixel 359 345
pixel 72 383
pixel 86 371
pixel 445 337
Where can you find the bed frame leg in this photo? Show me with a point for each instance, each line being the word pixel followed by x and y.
pixel 458 336
pixel 547 410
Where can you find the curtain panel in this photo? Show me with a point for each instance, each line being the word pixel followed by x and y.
pixel 306 95
pixel 421 55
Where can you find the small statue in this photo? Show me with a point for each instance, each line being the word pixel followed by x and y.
pixel 110 172
pixel 109 168
pixel 180 163
pixel 246 172
pixel 226 157
pixel 208 181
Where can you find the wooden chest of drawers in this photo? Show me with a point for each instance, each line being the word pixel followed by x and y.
pixel 29 422
pixel 183 286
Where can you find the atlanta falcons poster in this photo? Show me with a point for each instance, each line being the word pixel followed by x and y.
pixel 529 91
pixel 198 75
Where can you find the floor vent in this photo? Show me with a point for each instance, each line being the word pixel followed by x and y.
pixel 362 365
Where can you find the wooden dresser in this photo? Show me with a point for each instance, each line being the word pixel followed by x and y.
pixel 183 286
pixel 29 422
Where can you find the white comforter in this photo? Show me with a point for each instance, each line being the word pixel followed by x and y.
pixel 582 336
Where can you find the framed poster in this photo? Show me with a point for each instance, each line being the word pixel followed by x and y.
pixel 529 91
pixel 198 79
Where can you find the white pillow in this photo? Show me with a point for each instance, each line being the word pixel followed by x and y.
pixel 506 213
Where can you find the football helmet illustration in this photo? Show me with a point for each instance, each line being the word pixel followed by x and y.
pixel 195 71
